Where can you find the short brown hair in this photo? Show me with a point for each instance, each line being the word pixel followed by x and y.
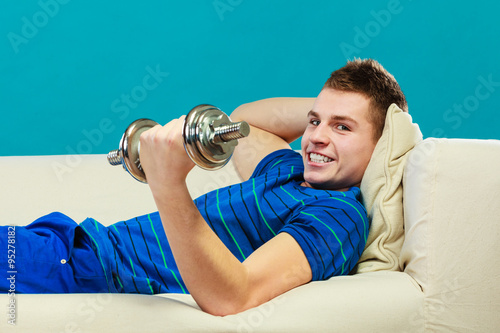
pixel 368 77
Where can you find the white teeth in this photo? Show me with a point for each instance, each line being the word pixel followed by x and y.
pixel 317 158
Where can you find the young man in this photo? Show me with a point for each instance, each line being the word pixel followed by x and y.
pixel 294 219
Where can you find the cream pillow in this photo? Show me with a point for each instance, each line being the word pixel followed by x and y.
pixel 382 192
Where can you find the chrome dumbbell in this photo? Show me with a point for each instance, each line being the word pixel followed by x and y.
pixel 209 139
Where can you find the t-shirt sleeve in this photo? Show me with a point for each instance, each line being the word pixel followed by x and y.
pixel 279 157
pixel 332 232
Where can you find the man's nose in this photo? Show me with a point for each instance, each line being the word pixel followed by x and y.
pixel 319 135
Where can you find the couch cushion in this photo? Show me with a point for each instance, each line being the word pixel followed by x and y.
pixel 382 192
pixel 374 302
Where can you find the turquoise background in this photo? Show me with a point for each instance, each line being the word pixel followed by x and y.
pixel 67 66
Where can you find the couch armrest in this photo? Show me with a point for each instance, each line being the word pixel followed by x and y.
pixel 452 227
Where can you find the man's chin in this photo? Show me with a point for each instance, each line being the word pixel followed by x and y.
pixel 317 184
pixel 322 184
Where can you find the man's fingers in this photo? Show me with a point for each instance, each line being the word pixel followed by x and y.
pixel 163 139
pixel 150 133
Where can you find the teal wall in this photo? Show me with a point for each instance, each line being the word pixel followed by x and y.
pixel 74 74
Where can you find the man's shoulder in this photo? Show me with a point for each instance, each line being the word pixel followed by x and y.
pixel 278 159
pixel 330 201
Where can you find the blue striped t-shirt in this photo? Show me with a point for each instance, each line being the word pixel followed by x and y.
pixel 331 227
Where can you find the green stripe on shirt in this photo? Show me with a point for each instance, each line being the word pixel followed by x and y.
pixel 258 207
pixel 294 198
pixel 334 234
pixel 225 225
pixel 163 256
pixel 360 215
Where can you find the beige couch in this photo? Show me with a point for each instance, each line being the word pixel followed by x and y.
pixel 450 278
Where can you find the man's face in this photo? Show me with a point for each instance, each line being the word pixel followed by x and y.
pixel 338 141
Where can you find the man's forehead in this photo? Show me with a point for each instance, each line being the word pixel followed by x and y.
pixel 358 114
pixel 333 116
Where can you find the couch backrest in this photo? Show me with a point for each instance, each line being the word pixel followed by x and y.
pixel 452 230
pixel 82 186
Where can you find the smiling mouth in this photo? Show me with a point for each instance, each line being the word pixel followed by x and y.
pixel 317 158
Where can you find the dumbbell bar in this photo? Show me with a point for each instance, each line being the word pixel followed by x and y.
pixel 209 139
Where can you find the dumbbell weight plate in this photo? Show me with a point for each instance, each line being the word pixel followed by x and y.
pixel 130 148
pixel 198 132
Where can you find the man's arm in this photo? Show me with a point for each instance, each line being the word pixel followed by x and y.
pixel 274 124
pixel 218 282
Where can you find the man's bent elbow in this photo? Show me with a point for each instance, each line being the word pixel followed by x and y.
pixel 232 306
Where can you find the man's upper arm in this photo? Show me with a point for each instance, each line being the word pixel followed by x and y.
pixel 252 149
pixel 275 123
pixel 276 267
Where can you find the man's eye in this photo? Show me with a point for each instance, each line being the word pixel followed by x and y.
pixel 314 122
pixel 343 128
